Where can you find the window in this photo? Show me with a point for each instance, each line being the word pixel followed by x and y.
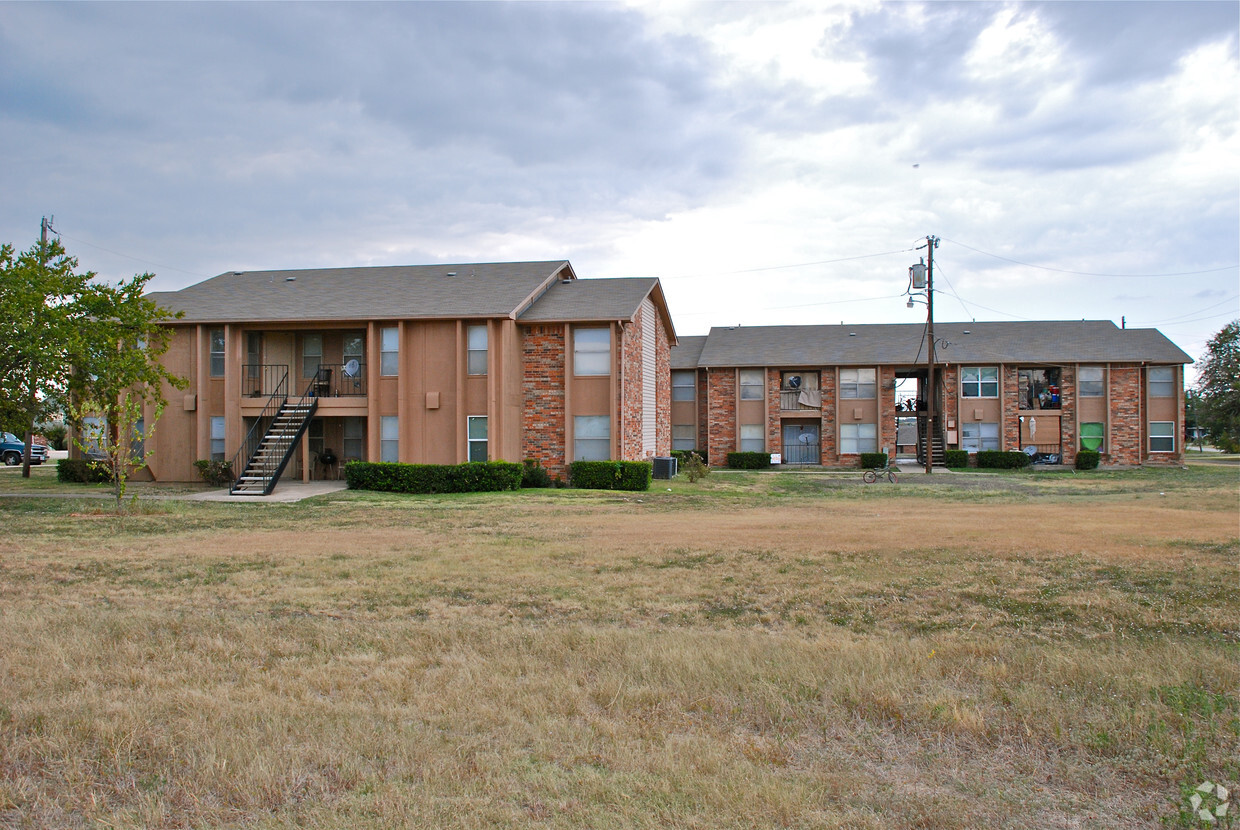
pixel 858 383
pixel 137 447
pixel 92 431
pixel 684 385
pixel 1038 388
pixel 477 351
pixel 477 437
pixel 591 437
pixel 753 438
pixel 979 436
pixel 389 438
pixel 1089 382
pixel 1092 433
pixel 1162 382
pixel 979 382
pixel 217 437
pixel 858 438
pixel 314 437
pixel 354 347
pixel 253 354
pixel 1162 436
pixel 684 437
pixel 592 352
pixel 311 354
pixel 354 439
pixel 753 381
pixel 389 350
pixel 217 353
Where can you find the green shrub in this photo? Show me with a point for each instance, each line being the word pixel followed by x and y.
pixel 215 473
pixel 682 456
pixel 997 460
pixel 873 460
pixel 474 477
pixel 956 459
pixel 610 475
pixel 693 467
pixel 533 474
pixel 749 460
pixel 81 471
pixel 1087 459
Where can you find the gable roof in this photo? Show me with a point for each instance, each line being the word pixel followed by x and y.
pixel 494 289
pixel 598 299
pixel 1055 341
pixel 687 354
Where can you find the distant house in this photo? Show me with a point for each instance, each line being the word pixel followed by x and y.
pixel 825 394
pixel 434 364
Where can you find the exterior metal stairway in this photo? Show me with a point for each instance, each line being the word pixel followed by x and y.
pixel 274 446
pixel 938 447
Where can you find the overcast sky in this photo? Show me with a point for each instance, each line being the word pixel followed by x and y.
pixel 770 163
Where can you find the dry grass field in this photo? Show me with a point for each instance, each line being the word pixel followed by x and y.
pixel 1040 650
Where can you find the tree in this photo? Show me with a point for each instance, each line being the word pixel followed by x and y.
pixel 118 379
pixel 39 293
pixel 1219 386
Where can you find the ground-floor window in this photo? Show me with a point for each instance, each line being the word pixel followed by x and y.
pixel 477 432
pixel 354 439
pixel 591 437
pixel 858 438
pixel 753 438
pixel 315 437
pixel 217 437
pixel 1092 433
pixel 389 438
pixel 1162 436
pixel 684 437
pixel 975 436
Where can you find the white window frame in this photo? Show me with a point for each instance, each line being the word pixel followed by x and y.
pixel 389 438
pixel 354 448
pixel 389 351
pixel 592 351
pixel 476 350
pixel 976 387
pixel 215 337
pixel 978 436
pixel 858 384
pixel 752 383
pixel 219 431
pixel 1169 437
pixel 591 437
pixel 682 391
pixel 858 438
pixel 476 444
pixel 1167 384
pixel 753 438
pixel 1091 391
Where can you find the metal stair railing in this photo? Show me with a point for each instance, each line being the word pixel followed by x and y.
pixel 273 447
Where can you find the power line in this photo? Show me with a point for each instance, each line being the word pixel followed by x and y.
pixel 1191 313
pixel 134 258
pixel 783 267
pixel 1088 273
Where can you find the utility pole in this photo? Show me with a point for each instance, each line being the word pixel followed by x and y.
pixel 932 242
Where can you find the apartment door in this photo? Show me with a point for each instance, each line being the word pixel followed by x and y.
pixel 801 443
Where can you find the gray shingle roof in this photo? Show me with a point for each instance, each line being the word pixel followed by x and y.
pixel 496 289
pixel 602 299
pixel 686 355
pixel 1055 341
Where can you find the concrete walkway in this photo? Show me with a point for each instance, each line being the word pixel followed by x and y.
pixel 285 492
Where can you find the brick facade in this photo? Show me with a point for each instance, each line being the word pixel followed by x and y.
pixel 827 433
pixel 663 387
pixel 542 426
pixel 629 445
pixel 887 410
pixel 1124 444
pixel 774 424
pixel 1009 431
pixel 721 418
pixel 1068 440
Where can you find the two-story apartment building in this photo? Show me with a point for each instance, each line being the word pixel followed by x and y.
pixel 428 364
pixel 825 394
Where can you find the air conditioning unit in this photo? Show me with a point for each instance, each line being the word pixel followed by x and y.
pixel 664 468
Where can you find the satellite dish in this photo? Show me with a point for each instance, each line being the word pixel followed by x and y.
pixel 794 382
pixel 350 368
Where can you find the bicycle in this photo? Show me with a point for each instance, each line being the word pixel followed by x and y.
pixel 889 470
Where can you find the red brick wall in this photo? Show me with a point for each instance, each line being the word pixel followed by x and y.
pixel 702 408
pixel 948 380
pixel 827 434
pixel 774 440
pixel 1010 428
pixel 1124 446
pixel 663 385
pixel 887 410
pixel 630 404
pixel 542 425
pixel 1069 442
pixel 721 398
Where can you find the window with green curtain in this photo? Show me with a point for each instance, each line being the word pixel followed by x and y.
pixel 1091 436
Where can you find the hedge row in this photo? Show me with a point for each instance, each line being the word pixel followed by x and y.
pixel 475 477
pixel 1087 459
pixel 611 475
pixel 998 460
pixel 956 459
pixel 873 460
pixel 749 460
pixel 81 471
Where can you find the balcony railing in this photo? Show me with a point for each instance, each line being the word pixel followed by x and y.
pixel 802 453
pixel 261 380
pixel 795 399
pixel 340 380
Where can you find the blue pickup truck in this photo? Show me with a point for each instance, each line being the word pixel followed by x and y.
pixel 13 447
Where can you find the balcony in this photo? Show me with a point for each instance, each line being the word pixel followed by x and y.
pixel 800 400
pixel 332 380
pixel 340 380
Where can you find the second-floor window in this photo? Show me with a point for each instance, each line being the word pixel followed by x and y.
pixel 217 353
pixel 592 351
pixel 477 350
pixel 684 385
pixel 753 382
pixel 311 354
pixel 979 382
pixel 389 350
pixel 1162 382
pixel 858 383
pixel 1089 382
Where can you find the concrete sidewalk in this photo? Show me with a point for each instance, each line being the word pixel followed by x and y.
pixel 285 492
